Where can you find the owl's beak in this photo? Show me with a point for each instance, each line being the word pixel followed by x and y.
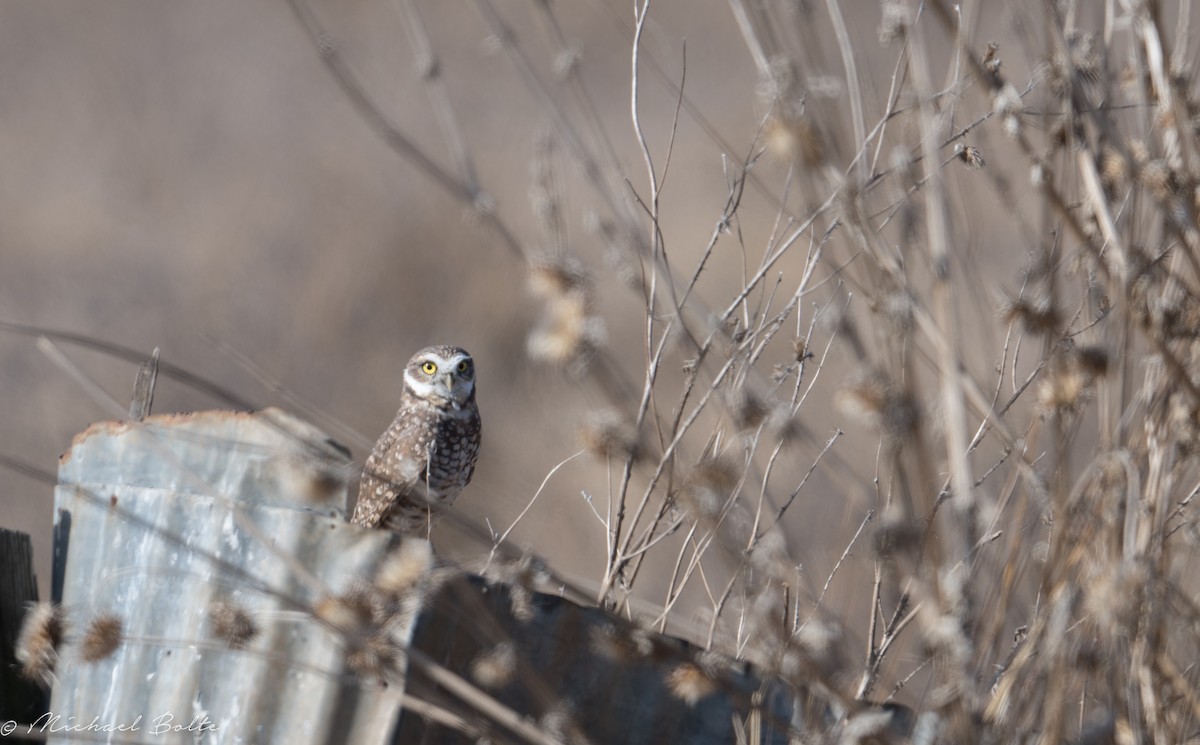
pixel 447 379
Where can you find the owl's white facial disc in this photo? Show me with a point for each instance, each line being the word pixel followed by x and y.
pixel 441 375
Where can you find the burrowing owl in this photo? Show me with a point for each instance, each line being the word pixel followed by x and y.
pixel 427 456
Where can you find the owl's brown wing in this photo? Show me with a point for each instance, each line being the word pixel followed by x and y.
pixel 393 469
pixel 375 496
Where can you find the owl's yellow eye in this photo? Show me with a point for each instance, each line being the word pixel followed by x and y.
pixel 463 367
pixel 428 367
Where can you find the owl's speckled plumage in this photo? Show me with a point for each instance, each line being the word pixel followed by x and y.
pixel 427 455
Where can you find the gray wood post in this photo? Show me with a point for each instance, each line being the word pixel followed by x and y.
pixel 154 539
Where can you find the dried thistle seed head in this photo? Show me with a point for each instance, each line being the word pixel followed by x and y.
pixel 1139 152
pixel 1039 174
pixel 1164 119
pixel 1113 598
pixel 766 619
pixel 813 652
pixel 327 482
pixel 783 424
pixel 991 58
pixel 528 571
pixel 899 308
pixel 790 664
pixel 709 487
pixel 800 350
pixel 690 683
pixel 1092 361
pixel 790 139
pixel 42 632
pixel 606 641
pixel 496 667
pixel 1111 485
pixel 606 434
pixel 532 571
pixel 720 473
pixel 896 537
pixel 1184 424
pixel 970 155
pixel 552 276
pixel 1063 391
pixel 904 163
pixel 873 398
pixel 865 398
pixel 746 408
pixel 781 140
pixel 373 654
pixel 557 722
pixel 869 725
pixel 1006 102
pixel 404 568
pixel 1060 136
pixel 835 319
pixel 1038 316
pixel 819 640
pixel 894 22
pixel 848 203
pixel 943 634
pixel 103 636
pixel 1144 264
pixel 1158 179
pixel 335 611
pixel 355 612
pixel 780 372
pixel 737 334
pixel 621 644
pixel 1127 79
pixel 1081 46
pixel 1113 169
pixel 520 577
pixel 567 331
pixel 317 480
pixel 231 623
pixel 1146 286
pixel 780 85
pixel 521 601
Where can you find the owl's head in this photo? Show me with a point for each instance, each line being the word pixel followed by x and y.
pixel 444 376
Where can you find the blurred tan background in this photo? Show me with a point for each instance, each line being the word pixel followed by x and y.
pixel 178 174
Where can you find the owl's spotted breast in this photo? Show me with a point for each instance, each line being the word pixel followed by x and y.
pixel 455 448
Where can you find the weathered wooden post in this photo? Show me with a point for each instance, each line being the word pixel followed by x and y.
pixel 172 517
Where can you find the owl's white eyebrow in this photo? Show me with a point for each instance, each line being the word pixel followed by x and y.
pixel 420 387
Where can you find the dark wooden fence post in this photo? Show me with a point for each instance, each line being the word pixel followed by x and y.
pixel 20 699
